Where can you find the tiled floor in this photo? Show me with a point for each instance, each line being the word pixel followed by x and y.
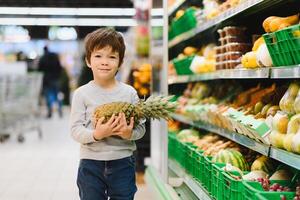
pixel 44 169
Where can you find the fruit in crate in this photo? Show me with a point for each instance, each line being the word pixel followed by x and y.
pixel 155 107
pixel 179 13
pixel 282 174
pixel 189 51
pixel 188 135
pixel 244 97
pixel 263 57
pixel 272 110
pixel 276 139
pixel 233 157
pixel 291 131
pixel 257 43
pixel 292 140
pixel 258 96
pixel 204 142
pixel 202 65
pixel 249 60
pixel 173 126
pixel 297 102
pixel 209 52
pixel 287 101
pixel 215 148
pixel 263 163
pixel 274 23
pixel 280 122
pixel 253 175
pixel 276 187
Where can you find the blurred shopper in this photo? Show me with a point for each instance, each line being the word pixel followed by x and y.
pixel 107 165
pixel 50 66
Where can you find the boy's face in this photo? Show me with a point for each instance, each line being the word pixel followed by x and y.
pixel 104 63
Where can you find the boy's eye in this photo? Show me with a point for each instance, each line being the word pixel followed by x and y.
pixel 97 56
pixel 113 57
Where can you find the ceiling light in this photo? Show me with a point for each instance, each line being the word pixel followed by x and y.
pixel 74 11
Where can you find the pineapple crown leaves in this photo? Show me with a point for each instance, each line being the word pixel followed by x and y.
pixel 156 107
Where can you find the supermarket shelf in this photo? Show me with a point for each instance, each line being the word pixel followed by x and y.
pixel 286 72
pixel 175 6
pixel 184 36
pixel 222 74
pixel 211 23
pixel 260 73
pixel 196 187
pixel 286 157
pixel 236 137
pixel 191 78
pixel 244 73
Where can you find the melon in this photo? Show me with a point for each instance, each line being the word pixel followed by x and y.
pixel 233 157
pixel 188 135
pixel 264 163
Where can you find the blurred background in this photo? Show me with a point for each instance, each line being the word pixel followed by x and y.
pixel 41 64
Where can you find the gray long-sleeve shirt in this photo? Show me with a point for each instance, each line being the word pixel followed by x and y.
pixel 85 99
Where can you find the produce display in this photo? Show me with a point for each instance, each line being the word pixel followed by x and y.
pixel 219 41
pixel 234 45
pixel 142 78
pixel 270 109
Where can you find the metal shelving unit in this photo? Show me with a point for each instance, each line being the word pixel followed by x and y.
pixel 244 73
pixel 236 137
pixel 212 23
pixel 283 156
pixel 286 72
pixel 197 188
pixel 259 73
pixel 192 78
pixel 246 9
pixel 286 157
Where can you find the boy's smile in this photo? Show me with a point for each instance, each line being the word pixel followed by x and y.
pixel 104 63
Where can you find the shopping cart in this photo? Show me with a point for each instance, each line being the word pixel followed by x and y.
pixel 19 104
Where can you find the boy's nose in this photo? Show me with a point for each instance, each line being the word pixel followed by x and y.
pixel 104 61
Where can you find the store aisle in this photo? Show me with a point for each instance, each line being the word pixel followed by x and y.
pixel 44 169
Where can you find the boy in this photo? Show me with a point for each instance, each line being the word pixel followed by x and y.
pixel 107 165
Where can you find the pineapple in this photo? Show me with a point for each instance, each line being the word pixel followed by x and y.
pixel 155 107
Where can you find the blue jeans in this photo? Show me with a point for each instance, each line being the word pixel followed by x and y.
pixel 51 94
pixel 98 180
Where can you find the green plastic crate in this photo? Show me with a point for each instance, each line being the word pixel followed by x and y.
pixel 232 188
pixel 171 144
pixel 207 167
pixel 190 159
pixel 274 196
pixel 278 50
pixel 198 171
pixel 217 180
pixel 293 35
pixel 182 66
pixel 185 23
pixel 253 188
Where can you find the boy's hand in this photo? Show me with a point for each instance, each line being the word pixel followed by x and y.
pixel 123 129
pixel 105 130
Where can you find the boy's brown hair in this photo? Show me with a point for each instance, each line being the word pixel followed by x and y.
pixel 101 38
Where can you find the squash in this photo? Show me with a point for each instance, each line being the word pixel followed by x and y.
pixel 263 163
pixel 274 23
pixel 249 60
pixel 293 128
pixel 263 56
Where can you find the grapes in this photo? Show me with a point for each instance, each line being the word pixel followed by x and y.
pixel 282 197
